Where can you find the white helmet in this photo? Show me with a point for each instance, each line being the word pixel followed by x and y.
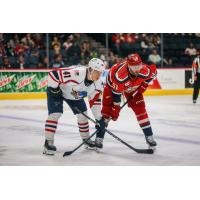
pixel 96 64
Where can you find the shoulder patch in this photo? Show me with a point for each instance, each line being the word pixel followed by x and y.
pixel 145 73
pixel 121 74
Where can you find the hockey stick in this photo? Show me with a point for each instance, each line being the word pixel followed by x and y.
pixel 144 151
pixel 67 153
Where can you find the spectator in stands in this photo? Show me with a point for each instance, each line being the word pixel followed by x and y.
pixel 21 64
pixel 144 42
pixel 68 43
pixel 55 42
pixel 197 34
pixel 39 41
pixel 113 59
pixel 57 62
pixel 27 40
pixel 118 40
pixel 85 52
pixel 1 38
pixel 16 39
pixel 154 58
pixel 156 40
pixel 44 63
pixel 78 39
pixel 130 38
pixel 74 54
pixel 6 64
pixel 56 49
pixel 9 50
pixel 2 50
pixel 33 59
pixel 19 49
pixel 191 50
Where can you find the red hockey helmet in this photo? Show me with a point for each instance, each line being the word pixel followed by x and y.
pixel 134 59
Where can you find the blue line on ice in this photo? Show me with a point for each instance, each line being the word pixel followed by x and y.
pixel 179 140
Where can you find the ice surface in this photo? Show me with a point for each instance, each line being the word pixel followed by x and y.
pixel 175 121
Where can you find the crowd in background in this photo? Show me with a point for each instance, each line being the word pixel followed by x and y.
pixel 178 49
pixel 28 51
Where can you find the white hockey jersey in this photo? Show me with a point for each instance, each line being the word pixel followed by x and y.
pixel 73 79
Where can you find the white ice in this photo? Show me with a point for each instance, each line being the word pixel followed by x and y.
pixel 175 121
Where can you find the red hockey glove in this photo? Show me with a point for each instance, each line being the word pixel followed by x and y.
pixel 142 88
pixel 115 112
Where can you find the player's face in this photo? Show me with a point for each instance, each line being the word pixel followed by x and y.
pixel 135 69
pixel 95 75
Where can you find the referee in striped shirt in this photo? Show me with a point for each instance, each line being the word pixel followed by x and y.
pixel 196 77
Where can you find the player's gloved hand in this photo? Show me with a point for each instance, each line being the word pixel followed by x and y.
pixel 115 112
pixel 142 88
pixel 101 124
pixel 55 92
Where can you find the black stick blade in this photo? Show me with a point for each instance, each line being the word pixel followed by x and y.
pixel 67 153
pixel 145 151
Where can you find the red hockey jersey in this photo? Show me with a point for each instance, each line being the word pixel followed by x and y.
pixel 121 80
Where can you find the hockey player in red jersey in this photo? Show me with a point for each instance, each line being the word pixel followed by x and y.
pixel 126 78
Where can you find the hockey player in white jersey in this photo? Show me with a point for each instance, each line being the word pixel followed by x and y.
pixel 69 84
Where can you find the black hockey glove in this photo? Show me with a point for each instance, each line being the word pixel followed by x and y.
pixel 101 124
pixel 55 92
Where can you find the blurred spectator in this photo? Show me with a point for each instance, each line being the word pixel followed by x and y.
pixel 144 42
pixel 197 34
pixel 44 64
pixel 103 58
pixel 85 52
pixel 16 39
pixel 55 42
pixel 57 62
pixel 9 50
pixel 21 64
pixel 6 64
pixel 68 43
pixel 56 49
pixel 74 54
pixel 113 59
pixel 1 38
pixel 155 40
pixel 78 39
pixel 191 50
pixel 118 39
pixel 2 50
pixel 38 40
pixel 130 38
pixel 27 40
pixel 154 58
pixel 33 59
pixel 19 49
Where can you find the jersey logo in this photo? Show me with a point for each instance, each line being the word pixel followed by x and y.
pixel 66 74
pixel 126 84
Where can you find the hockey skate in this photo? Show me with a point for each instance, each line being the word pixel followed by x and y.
pixel 194 101
pixel 99 143
pixel 89 144
pixel 49 149
pixel 151 142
